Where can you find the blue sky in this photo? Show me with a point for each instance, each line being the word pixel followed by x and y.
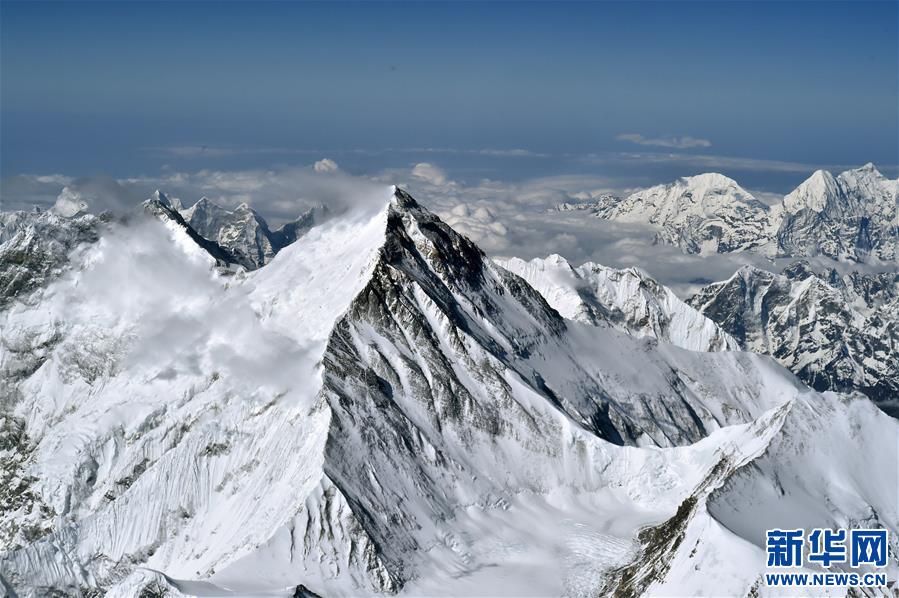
pixel 609 88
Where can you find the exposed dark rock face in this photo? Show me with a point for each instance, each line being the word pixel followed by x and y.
pixel 244 232
pixel 160 206
pixel 851 216
pixel 35 248
pixel 835 332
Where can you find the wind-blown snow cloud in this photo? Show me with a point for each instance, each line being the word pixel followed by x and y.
pixel 139 303
pixel 69 203
pixel 675 142
pixel 429 173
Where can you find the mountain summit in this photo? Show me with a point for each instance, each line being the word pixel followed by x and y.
pixel 703 213
pixel 851 216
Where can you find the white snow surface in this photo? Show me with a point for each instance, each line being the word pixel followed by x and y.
pixel 705 213
pixel 627 299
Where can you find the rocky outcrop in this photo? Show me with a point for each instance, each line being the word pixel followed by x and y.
pixel 834 332
pixel 244 232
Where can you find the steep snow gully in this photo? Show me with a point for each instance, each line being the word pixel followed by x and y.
pixel 383 409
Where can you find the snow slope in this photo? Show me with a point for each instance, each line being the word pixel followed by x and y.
pixel 629 300
pixel 700 214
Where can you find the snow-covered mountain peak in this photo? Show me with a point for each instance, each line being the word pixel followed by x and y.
pixel 629 300
pixel 557 260
pixel 703 213
pixel 164 200
pixel 850 216
pixel 319 274
pixel 559 283
pixel 814 193
pixel 869 184
pixel 316 277
pixel 244 232
pixel 868 168
pixel 36 248
pixel 159 201
pixel 834 332
pixel 401 198
pixel 161 207
pixel 204 206
pixel 703 194
pixel 713 182
pixel 551 261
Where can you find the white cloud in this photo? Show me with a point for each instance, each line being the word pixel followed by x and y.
pixel 69 203
pixel 493 152
pixel 511 153
pixel 278 194
pixel 675 142
pixel 53 179
pixel 479 224
pixel 325 165
pixel 429 173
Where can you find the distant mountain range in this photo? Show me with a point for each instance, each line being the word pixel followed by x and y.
pixel 852 216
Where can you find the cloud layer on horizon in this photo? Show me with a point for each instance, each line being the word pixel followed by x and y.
pixel 505 218
pixel 686 142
